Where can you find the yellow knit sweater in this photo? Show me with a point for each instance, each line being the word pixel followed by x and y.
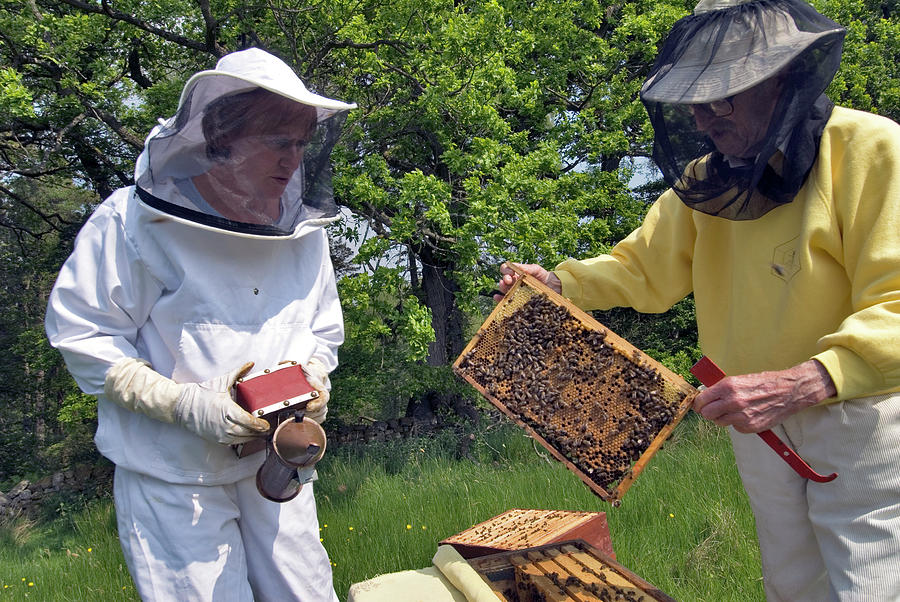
pixel 816 278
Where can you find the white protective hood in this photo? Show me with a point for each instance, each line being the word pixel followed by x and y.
pixel 177 151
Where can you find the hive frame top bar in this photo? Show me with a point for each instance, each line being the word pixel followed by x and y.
pixel 672 383
pixel 498 570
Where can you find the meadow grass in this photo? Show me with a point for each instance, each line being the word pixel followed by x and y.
pixel 684 525
pixel 73 557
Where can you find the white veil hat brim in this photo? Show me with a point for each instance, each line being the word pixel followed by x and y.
pixel 257 68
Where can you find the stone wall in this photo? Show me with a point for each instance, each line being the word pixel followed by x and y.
pixel 90 481
pixel 381 430
pixel 27 496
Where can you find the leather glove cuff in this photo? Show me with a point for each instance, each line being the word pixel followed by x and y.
pixel 133 384
pixel 317 375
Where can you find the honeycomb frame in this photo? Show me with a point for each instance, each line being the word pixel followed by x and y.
pixel 596 402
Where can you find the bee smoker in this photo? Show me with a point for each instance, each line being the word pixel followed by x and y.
pixel 273 394
pixel 291 455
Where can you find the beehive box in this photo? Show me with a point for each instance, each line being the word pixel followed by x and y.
pixel 517 529
pixel 593 400
pixel 571 571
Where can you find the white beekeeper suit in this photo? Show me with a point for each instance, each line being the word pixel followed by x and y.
pixel 167 295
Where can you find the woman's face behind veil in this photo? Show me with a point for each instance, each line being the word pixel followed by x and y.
pixel 256 154
pixel 261 164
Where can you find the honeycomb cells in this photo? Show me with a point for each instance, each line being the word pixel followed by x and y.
pixel 589 394
pixel 519 528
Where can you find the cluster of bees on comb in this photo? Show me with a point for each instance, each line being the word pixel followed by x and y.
pixel 517 528
pixel 598 407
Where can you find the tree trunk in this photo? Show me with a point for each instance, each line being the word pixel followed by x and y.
pixel 446 319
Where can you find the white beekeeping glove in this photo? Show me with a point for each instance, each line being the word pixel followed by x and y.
pixel 206 409
pixel 317 376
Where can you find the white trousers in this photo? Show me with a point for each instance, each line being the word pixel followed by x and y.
pixel 194 543
pixel 829 541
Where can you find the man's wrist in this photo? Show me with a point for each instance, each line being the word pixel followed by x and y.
pixel 820 382
pixel 828 388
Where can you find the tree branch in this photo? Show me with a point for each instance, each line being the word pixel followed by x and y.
pixel 105 9
pixel 115 125
pixel 52 220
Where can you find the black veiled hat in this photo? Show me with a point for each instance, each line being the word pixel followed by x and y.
pixel 732 51
pixel 724 48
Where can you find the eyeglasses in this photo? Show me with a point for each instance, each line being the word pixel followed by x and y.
pixel 719 108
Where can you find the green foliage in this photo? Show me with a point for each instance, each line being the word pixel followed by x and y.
pixel 869 77
pixel 14 96
pixel 380 309
pixel 34 381
pixel 486 131
pixel 387 332
pixel 77 408
pixel 380 384
pixel 495 131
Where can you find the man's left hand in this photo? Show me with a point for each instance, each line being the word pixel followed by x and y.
pixel 752 403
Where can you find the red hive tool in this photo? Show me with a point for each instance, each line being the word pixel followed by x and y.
pixel 709 374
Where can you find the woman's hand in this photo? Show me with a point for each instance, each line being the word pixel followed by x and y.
pixel 752 403
pixel 508 277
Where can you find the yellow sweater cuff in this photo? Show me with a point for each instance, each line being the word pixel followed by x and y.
pixel 571 289
pixel 853 377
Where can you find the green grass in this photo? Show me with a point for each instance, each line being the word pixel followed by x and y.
pixel 73 557
pixel 684 525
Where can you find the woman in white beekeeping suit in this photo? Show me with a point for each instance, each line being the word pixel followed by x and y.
pixel 215 258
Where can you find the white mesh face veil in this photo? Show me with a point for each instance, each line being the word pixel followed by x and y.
pixel 247 152
pixel 729 48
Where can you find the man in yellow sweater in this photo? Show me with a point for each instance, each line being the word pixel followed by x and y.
pixel 783 220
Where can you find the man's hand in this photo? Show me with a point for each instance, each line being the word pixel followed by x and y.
pixel 508 277
pixel 752 403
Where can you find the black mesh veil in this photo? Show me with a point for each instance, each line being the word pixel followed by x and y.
pixel 721 51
